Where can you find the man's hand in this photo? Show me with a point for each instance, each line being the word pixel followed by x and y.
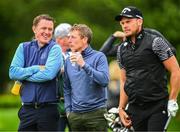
pixel 80 61
pixel 120 34
pixel 172 108
pixel 125 118
pixel 76 57
pixel 42 67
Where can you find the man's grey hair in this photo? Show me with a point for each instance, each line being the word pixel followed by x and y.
pixel 62 30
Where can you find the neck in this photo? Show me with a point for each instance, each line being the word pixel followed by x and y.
pixel 133 37
pixel 83 48
pixel 40 45
pixel 64 49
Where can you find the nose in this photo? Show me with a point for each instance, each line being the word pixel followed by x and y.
pixel 69 40
pixel 124 25
pixel 46 30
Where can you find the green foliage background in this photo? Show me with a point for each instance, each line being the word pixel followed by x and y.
pixel 16 21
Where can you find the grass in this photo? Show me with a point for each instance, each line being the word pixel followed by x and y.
pixel 174 124
pixel 9 120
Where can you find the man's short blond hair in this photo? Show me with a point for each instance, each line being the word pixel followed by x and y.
pixel 84 31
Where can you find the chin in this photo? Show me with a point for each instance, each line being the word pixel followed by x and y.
pixel 45 41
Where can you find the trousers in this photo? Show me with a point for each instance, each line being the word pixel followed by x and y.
pixel 151 116
pixel 88 121
pixel 42 117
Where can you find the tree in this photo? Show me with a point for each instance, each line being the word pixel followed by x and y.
pixel 16 21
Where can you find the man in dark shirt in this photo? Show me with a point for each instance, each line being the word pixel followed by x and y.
pixel 144 59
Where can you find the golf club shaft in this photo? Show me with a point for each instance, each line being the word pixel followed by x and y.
pixel 167 123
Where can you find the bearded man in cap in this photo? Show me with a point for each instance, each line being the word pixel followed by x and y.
pixel 144 58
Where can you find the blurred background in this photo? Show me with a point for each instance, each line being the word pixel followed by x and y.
pixel 16 26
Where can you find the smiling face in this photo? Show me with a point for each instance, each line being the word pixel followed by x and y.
pixel 43 31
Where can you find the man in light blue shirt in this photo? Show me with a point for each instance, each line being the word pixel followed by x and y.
pixel 85 82
pixel 36 64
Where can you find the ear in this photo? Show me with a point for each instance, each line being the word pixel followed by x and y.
pixel 34 29
pixel 85 39
pixel 140 22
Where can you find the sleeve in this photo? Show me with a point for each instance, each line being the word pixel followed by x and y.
pixel 67 91
pixel 158 34
pixel 53 65
pixel 108 48
pixel 161 49
pixel 17 70
pixel 100 74
pixel 119 58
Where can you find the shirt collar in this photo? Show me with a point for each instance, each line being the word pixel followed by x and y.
pixel 139 36
pixel 86 51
